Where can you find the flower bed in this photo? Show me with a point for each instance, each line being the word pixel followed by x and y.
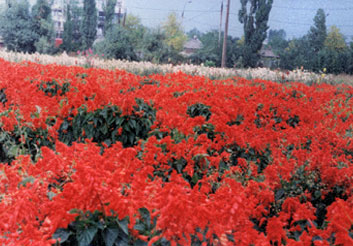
pixel 105 157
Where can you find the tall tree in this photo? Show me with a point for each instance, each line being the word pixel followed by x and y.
pixel 43 26
pixel 254 18
pixel 2 16
pixel 89 23
pixel 155 48
pixel 76 16
pixel 17 27
pixel 41 15
pixel 136 30
pixel 174 33
pixel 68 30
pixel 210 52
pixel 109 11
pixel 277 40
pixel 335 40
pixel 317 33
pixel 296 54
pixel 116 44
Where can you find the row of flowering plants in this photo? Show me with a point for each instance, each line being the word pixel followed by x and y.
pixel 143 68
pixel 104 157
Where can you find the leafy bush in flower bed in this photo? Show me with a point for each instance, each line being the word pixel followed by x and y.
pixel 102 157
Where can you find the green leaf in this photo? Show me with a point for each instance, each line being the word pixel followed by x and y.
pixel 104 129
pixel 126 127
pixel 108 142
pixel 27 180
pixel 119 121
pixel 95 121
pixel 65 125
pixel 104 113
pixel 132 124
pixel 51 195
pixel 138 129
pixel 123 224
pixel 3 136
pixel 140 243
pixel 131 138
pixel 279 194
pixel 110 235
pixel 145 214
pixel 140 227
pixel 86 236
pixel 195 178
pixel 122 240
pixel 164 242
pixel 13 150
pixel 63 234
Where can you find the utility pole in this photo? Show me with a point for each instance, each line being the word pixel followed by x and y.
pixel 224 51
pixel 119 15
pixel 220 25
pixel 124 20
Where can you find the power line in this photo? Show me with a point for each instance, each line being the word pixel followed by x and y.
pixel 313 9
pixel 176 10
pixel 299 23
pixel 206 24
pixel 217 11
pixel 305 24
pixel 204 12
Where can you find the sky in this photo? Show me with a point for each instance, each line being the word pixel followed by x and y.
pixel 294 16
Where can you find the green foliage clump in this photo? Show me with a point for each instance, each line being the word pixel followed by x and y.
pixel 199 109
pixel 108 125
pixel 117 44
pixel 94 229
pixel 23 141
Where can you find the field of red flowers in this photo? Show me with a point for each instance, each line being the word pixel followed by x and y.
pixel 101 157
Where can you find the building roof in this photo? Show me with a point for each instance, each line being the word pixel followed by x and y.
pixel 267 52
pixel 193 43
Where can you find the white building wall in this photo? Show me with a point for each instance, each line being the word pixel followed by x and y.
pixel 59 15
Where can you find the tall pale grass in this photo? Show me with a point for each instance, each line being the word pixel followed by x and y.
pixel 146 68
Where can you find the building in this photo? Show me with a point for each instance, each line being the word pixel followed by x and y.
pixel 59 14
pixel 191 46
pixel 268 58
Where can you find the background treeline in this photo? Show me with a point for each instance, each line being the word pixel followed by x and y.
pixel 31 29
pixel 320 49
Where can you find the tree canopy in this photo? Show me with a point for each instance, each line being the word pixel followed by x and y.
pixel 43 26
pixel 277 40
pixel 254 16
pixel 17 28
pixel 318 32
pixel 109 9
pixel 116 44
pixel 174 33
pixel 89 23
pixel 335 40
